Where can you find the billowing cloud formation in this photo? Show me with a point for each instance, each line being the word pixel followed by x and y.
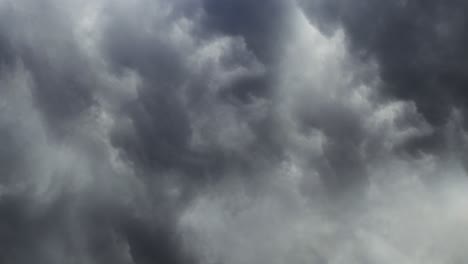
pixel 418 45
pixel 232 131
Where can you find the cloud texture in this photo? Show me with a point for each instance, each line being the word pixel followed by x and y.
pixel 233 131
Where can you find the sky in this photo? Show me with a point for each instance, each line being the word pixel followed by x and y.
pixel 233 131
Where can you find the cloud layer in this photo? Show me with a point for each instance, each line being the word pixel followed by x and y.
pixel 232 131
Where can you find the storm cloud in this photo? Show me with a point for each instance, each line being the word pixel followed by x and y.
pixel 232 131
pixel 418 45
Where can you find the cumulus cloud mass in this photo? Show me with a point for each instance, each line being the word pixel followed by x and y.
pixel 233 131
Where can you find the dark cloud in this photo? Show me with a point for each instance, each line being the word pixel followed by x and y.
pixel 62 78
pixel 65 86
pixel 227 131
pixel 174 96
pixel 260 24
pixel 5 51
pixel 418 45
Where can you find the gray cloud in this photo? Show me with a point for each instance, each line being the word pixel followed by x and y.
pixel 230 132
pixel 419 46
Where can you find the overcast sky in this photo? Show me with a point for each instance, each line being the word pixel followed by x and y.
pixel 233 131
